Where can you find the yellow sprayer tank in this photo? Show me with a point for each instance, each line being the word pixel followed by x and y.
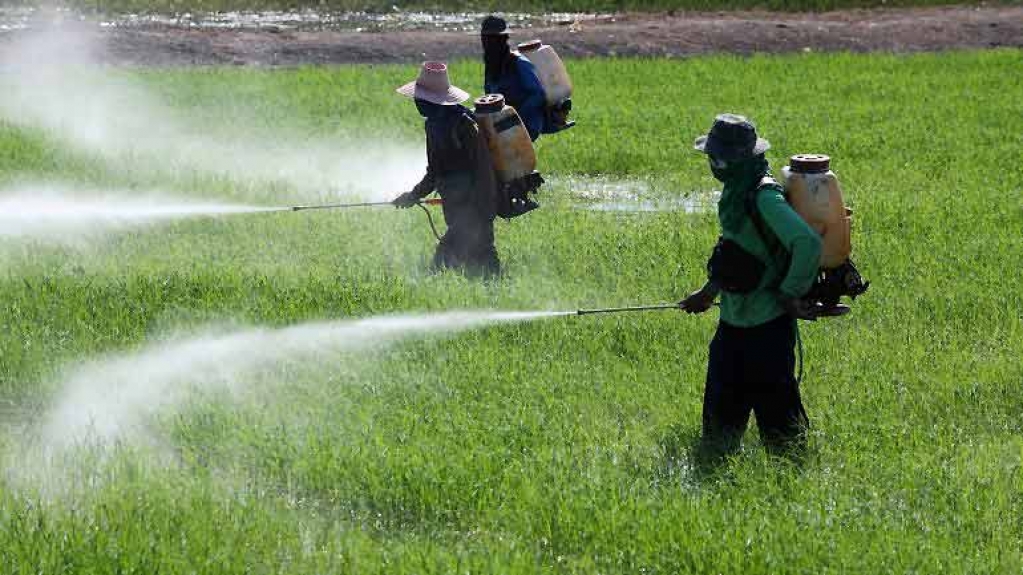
pixel 510 147
pixel 815 194
pixel 550 69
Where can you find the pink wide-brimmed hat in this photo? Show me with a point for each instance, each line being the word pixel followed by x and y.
pixel 433 85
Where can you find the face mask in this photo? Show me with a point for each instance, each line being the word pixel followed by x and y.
pixel 495 44
pixel 426 109
pixel 720 168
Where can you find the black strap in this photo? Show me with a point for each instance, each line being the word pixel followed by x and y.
pixel 466 118
pixel 506 124
pixel 766 236
pixel 770 239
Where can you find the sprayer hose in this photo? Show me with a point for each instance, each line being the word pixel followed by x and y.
pixel 429 218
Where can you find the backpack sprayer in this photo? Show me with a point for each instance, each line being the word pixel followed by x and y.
pixel 557 85
pixel 813 191
pixel 511 153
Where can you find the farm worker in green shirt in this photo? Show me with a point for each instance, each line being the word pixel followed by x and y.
pixel 765 261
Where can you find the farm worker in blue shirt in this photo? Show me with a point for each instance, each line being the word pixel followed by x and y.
pixel 513 76
pixel 765 262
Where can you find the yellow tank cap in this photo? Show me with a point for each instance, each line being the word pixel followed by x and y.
pixel 530 46
pixel 810 163
pixel 489 103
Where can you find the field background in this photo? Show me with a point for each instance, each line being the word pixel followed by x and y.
pixel 489 5
pixel 558 446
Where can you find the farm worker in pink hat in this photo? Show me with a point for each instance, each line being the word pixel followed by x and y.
pixel 458 168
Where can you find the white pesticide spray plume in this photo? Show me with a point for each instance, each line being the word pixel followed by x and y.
pixel 50 78
pixel 56 215
pixel 109 400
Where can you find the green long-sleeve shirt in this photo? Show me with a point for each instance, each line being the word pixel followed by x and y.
pixel 790 274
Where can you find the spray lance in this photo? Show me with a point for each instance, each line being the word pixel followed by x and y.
pixel 655 307
pixel 422 204
pixel 429 202
pixel 675 306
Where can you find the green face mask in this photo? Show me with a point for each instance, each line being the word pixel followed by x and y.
pixel 722 169
pixel 738 177
pixel 737 170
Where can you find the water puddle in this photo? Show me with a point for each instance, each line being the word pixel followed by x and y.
pixel 688 205
pixel 19 18
pixel 605 194
pixel 15 18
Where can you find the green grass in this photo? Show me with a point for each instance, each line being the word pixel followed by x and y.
pixel 180 6
pixel 559 446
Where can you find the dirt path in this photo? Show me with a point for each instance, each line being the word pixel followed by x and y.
pixel 673 34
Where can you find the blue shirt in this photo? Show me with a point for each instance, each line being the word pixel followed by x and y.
pixel 521 88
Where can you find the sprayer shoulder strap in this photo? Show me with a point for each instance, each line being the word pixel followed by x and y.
pixel 464 131
pixel 770 239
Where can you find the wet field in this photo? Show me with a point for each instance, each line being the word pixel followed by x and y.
pixel 20 18
pixel 294 38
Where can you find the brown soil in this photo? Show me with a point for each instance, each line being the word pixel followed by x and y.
pixel 672 34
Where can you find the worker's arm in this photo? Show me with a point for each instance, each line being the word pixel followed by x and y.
pixel 700 300
pixel 424 188
pixel 532 108
pixel 798 239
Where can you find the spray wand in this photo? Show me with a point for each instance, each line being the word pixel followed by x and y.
pixel 660 306
pixel 674 306
pixel 420 203
pixel 429 202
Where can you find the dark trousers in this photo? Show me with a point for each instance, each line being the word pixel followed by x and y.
pixel 752 369
pixel 468 243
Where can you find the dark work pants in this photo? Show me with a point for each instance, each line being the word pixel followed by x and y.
pixel 468 243
pixel 752 369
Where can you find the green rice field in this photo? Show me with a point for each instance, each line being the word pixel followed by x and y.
pixel 561 445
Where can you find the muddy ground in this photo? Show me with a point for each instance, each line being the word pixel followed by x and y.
pixel 672 34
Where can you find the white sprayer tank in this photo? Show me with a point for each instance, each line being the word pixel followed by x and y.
pixel 815 194
pixel 511 150
pixel 550 69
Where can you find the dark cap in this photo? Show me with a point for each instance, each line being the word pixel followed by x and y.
pixel 732 137
pixel 494 26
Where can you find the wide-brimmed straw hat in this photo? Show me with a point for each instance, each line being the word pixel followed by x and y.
pixel 732 137
pixel 434 86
